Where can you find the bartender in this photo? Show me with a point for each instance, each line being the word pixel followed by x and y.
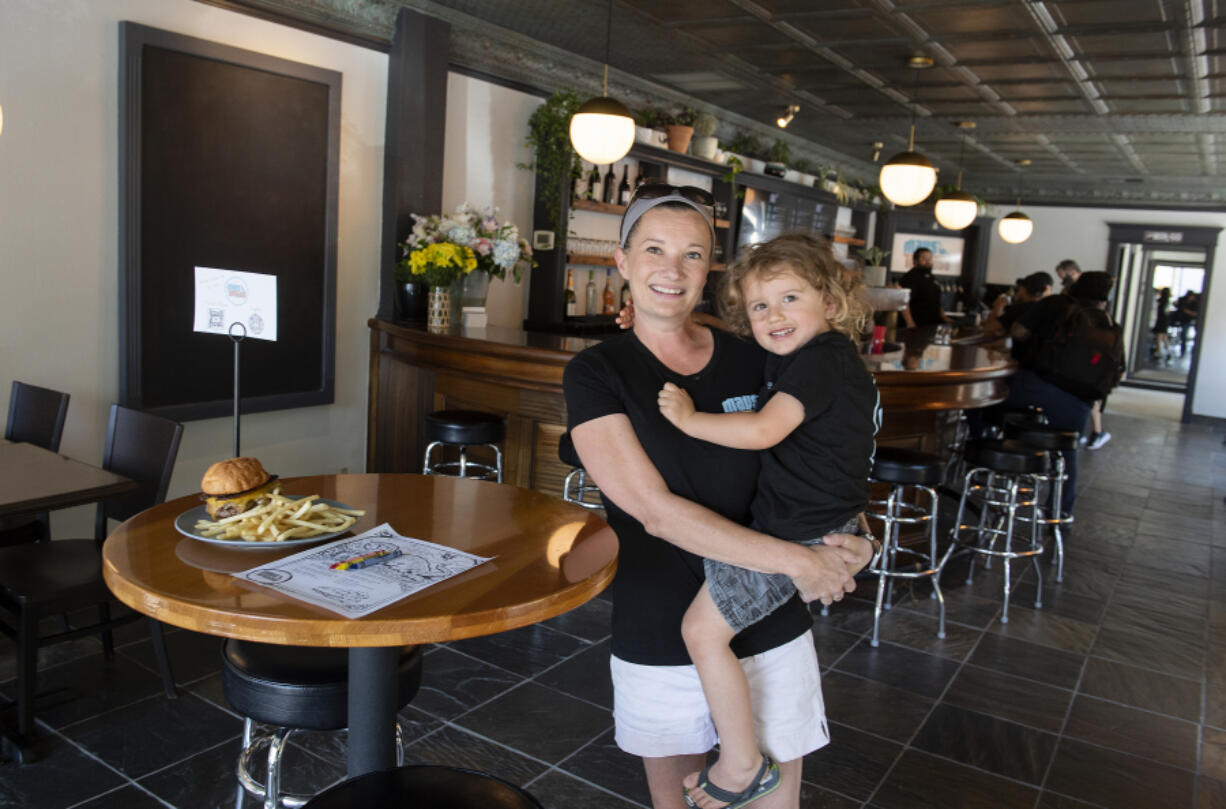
pixel 924 308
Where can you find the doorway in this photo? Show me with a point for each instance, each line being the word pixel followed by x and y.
pixel 1163 334
pixel 1144 259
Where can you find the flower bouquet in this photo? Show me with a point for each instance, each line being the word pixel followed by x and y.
pixel 438 265
pixel 497 247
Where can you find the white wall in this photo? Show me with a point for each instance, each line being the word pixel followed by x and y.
pixel 59 227
pixel 487 126
pixel 1082 235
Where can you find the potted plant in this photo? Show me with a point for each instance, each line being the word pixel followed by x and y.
pixel 748 147
pixel 777 157
pixel 802 166
pixel 874 265
pixel 649 124
pixel 681 129
pixel 556 164
pixel 705 143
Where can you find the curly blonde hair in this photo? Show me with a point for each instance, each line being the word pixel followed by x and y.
pixel 811 259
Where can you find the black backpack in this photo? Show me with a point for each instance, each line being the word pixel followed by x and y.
pixel 1084 354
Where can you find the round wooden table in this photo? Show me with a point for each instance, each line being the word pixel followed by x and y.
pixel 551 556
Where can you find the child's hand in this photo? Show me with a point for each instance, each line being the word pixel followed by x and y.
pixel 675 404
pixel 852 549
pixel 625 318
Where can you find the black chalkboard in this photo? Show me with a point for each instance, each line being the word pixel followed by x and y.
pixel 228 159
pixel 767 214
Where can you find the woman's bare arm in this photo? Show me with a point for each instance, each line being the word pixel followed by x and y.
pixel 615 460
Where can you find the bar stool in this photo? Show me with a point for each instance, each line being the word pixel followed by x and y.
pixel 1056 442
pixel 577 488
pixel 425 785
pixel 906 469
pixel 464 428
pixel 1003 480
pixel 293 688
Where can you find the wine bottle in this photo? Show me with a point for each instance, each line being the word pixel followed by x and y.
pixel 593 184
pixel 610 186
pixel 623 188
pixel 570 293
pixel 590 306
pixel 623 295
pixel 606 299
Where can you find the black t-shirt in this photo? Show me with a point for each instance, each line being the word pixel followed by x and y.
pixel 925 303
pixel 656 581
pixel 1012 312
pixel 816 479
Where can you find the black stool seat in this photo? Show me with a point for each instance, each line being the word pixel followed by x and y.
pixel 424 786
pixel 998 416
pixel 907 466
pixel 299 686
pixel 1043 436
pixel 1008 456
pixel 465 427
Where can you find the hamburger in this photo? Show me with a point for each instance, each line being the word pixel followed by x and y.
pixel 236 485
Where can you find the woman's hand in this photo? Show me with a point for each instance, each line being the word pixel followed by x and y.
pixel 855 550
pixel 675 404
pixel 824 576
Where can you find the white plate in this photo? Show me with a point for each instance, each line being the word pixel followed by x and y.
pixel 186 521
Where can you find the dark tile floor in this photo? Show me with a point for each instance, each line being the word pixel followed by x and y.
pixel 1112 695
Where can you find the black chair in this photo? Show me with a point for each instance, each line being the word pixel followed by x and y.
pixel 425 785
pixel 53 578
pixel 293 688
pixel 36 416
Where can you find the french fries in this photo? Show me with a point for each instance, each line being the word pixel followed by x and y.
pixel 281 518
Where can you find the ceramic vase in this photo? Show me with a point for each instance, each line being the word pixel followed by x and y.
pixel 438 309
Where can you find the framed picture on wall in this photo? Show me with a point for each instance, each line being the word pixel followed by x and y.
pixel 946 252
pixel 229 159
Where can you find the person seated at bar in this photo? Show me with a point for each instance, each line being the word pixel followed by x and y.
pixel 1033 287
pixel 1045 337
pixel 924 308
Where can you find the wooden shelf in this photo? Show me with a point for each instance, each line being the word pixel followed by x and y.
pixel 591 261
pixel 605 207
pixel 849 240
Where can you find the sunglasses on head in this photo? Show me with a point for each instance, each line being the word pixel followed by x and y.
pixel 655 189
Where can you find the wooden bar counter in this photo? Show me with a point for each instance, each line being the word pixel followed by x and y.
pixel 518 374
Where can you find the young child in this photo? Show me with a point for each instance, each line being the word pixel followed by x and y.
pixel 816 419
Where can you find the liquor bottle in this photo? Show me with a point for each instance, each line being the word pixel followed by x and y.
pixel 623 296
pixel 570 293
pixel 590 306
pixel 610 186
pixel 606 300
pixel 593 184
pixel 623 188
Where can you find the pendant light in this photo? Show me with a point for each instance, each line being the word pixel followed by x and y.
pixel 957 210
pixel 1016 227
pixel 602 130
pixel 785 117
pixel 909 177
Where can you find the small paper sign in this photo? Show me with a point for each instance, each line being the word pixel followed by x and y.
pixel 226 297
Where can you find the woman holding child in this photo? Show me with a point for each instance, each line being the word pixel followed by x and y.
pixel 675 500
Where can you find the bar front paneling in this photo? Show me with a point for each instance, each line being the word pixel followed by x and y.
pixel 518 375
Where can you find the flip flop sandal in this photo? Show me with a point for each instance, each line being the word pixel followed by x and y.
pixel 764 783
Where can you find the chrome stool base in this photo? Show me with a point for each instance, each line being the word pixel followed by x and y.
pixel 462 467
pixel 269 793
pixel 894 513
pixel 578 489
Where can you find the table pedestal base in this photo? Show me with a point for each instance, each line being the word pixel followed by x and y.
pixel 372 709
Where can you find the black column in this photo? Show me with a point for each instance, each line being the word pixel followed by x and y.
pixel 413 158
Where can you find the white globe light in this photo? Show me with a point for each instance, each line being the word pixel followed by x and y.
pixel 602 131
pixel 1015 228
pixel 957 210
pixel 907 179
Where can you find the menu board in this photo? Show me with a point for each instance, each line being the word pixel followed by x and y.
pixel 767 214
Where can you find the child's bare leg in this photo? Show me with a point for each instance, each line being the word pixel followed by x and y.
pixel 707 636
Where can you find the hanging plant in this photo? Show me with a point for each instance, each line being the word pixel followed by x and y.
pixel 556 163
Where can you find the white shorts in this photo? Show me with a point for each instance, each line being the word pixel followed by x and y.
pixel 661 711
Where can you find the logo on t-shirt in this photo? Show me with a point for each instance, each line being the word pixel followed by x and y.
pixel 740 404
